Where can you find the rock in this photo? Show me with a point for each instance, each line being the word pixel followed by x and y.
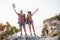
pixel 26 37
pixel 13 37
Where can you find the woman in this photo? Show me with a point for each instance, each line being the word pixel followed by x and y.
pixel 30 21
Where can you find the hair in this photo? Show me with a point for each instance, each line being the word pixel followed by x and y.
pixel 29 12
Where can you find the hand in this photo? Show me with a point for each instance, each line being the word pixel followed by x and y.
pixel 13 5
pixel 37 9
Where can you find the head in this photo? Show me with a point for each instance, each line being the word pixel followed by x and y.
pixel 21 11
pixel 29 12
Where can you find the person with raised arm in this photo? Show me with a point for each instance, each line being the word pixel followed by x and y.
pixel 21 19
pixel 30 21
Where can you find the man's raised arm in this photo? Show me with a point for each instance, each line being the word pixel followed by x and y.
pixel 14 8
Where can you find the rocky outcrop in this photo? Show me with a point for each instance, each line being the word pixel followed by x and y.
pixel 51 26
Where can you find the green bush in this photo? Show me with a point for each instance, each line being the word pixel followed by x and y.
pixel 10 30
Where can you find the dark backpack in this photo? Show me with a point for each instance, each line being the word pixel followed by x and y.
pixel 24 18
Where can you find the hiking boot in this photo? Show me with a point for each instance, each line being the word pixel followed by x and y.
pixel 25 34
pixel 21 34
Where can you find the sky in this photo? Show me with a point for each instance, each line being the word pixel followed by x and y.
pixel 47 9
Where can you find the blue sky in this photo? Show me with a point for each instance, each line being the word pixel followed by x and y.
pixel 47 9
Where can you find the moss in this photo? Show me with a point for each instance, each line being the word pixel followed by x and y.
pixel 59 38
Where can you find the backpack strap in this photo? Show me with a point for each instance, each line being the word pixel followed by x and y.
pixel 24 18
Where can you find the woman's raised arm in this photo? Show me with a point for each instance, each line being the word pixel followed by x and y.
pixel 35 11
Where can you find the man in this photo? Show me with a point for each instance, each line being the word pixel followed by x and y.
pixel 21 19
